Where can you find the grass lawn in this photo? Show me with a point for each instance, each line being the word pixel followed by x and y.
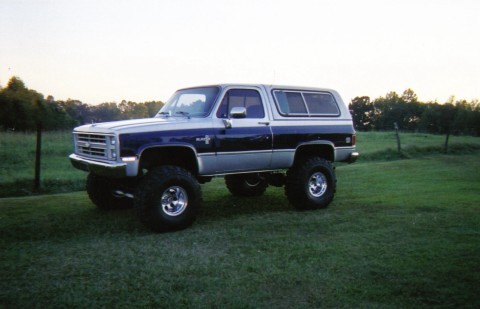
pixel 17 164
pixel 17 157
pixel 375 146
pixel 399 234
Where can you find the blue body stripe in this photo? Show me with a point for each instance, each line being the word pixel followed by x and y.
pixel 290 137
pixel 235 139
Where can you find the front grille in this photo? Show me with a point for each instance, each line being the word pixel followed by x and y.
pixel 96 146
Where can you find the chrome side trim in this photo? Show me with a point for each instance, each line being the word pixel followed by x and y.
pixel 248 152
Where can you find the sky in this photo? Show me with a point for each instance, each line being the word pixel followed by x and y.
pixel 113 50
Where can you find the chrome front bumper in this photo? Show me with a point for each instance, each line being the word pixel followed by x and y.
pixel 113 169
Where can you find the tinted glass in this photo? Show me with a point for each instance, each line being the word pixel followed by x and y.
pixel 290 102
pixel 250 99
pixel 321 103
pixel 194 102
pixel 295 103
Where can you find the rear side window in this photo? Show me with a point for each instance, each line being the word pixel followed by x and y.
pixel 305 103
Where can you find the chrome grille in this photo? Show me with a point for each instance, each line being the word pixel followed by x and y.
pixel 96 146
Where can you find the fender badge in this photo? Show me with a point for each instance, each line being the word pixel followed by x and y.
pixel 205 139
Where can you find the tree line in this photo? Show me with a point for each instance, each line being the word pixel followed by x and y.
pixel 23 109
pixel 452 117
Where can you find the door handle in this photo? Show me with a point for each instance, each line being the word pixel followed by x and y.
pixel 264 122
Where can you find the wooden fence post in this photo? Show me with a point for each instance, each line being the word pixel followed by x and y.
pixel 445 149
pixel 399 146
pixel 38 152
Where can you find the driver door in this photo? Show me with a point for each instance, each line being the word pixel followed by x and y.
pixel 246 145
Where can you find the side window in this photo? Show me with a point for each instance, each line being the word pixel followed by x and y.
pixel 250 99
pixel 290 103
pixel 305 104
pixel 295 103
pixel 321 103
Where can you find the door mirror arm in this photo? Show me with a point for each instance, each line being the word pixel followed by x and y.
pixel 227 123
pixel 235 113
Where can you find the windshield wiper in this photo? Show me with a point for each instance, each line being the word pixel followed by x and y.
pixel 163 113
pixel 186 114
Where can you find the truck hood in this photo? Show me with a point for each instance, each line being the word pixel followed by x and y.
pixel 136 125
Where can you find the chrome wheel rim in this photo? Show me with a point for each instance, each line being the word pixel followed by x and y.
pixel 317 184
pixel 252 182
pixel 174 201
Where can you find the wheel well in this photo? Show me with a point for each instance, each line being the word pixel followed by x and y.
pixel 178 156
pixel 321 150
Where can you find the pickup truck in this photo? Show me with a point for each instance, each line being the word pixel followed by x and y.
pixel 252 135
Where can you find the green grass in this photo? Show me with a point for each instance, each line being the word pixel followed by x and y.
pixel 17 157
pixel 17 164
pixel 382 146
pixel 399 234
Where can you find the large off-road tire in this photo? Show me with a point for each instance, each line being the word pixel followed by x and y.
pixel 311 184
pixel 246 184
pixel 101 191
pixel 168 199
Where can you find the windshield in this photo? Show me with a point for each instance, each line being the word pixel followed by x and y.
pixel 193 102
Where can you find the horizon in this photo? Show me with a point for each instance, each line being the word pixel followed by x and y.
pixel 451 99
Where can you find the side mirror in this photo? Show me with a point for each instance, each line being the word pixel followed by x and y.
pixel 235 113
pixel 238 112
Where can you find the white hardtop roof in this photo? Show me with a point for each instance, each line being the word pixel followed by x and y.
pixel 267 87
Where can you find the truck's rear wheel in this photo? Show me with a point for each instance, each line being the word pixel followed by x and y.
pixel 103 192
pixel 168 199
pixel 311 184
pixel 246 184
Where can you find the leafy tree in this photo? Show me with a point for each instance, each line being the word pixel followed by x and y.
pixel 106 112
pixel 409 96
pixel 475 118
pixel 405 110
pixel 132 110
pixel 362 113
pixel 387 111
pixel 430 118
pixel 153 107
pixel 80 112
pixel 20 106
pixel 24 109
pixel 466 119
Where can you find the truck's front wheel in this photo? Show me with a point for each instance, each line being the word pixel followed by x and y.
pixel 102 192
pixel 168 199
pixel 310 184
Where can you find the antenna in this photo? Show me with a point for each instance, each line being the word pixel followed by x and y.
pixel 274 77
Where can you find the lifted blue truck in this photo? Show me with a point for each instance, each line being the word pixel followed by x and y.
pixel 253 135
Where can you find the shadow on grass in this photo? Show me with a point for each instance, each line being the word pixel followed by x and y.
pixel 25 187
pixel 73 219
pixel 221 204
pixel 66 216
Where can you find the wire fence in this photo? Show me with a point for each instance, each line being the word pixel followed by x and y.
pixel 55 173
